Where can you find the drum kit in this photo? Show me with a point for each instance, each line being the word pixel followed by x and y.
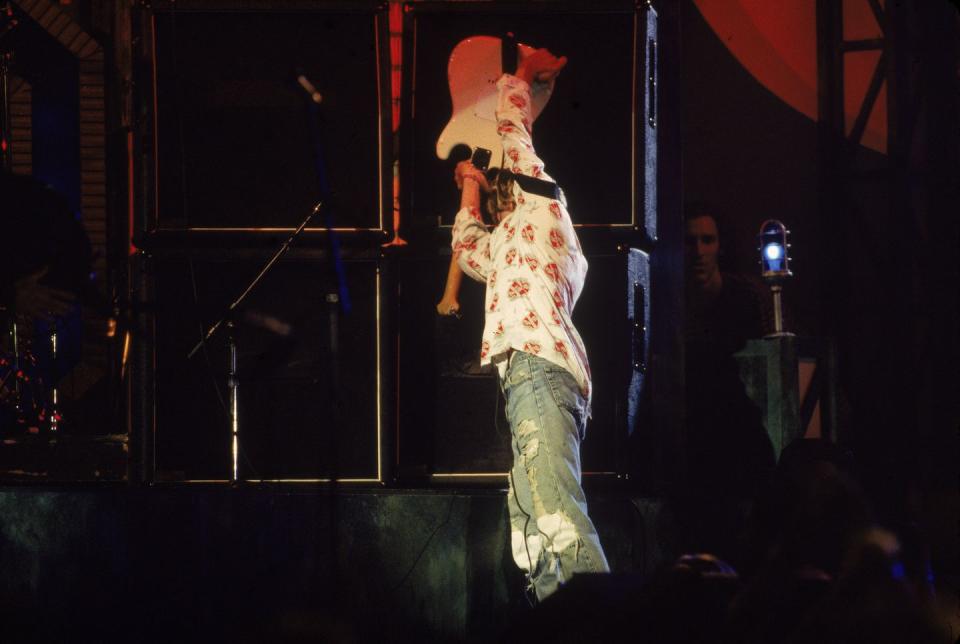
pixel 27 404
pixel 28 399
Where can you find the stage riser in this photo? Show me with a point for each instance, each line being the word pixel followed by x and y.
pixel 215 562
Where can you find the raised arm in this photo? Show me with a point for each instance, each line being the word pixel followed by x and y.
pixel 515 109
pixel 470 237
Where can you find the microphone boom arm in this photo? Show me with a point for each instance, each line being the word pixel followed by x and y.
pixel 256 280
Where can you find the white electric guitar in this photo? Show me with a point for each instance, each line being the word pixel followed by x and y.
pixel 474 68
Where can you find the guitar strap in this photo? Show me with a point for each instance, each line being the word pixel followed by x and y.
pixel 532 185
pixel 509 53
pixel 509 59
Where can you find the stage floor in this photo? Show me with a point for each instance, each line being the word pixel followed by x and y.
pixel 290 562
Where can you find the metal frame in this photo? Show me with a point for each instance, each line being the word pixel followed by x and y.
pixel 910 68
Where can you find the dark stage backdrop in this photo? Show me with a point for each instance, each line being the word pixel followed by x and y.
pixel 585 134
pixel 235 130
pixel 753 157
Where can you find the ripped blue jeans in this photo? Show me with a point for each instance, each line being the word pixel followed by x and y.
pixel 552 537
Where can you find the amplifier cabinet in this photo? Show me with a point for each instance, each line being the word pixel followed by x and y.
pixel 597 134
pixel 311 375
pixel 240 143
pixel 452 423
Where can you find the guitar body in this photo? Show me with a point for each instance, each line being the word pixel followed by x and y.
pixel 473 70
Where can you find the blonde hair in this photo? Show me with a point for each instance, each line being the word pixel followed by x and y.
pixel 500 198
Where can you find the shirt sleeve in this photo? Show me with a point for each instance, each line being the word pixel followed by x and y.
pixel 514 125
pixel 471 244
pixel 545 227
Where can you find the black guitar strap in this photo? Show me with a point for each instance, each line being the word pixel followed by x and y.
pixel 509 54
pixel 509 59
pixel 529 184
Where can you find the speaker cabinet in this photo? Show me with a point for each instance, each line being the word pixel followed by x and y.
pixel 452 423
pixel 613 318
pixel 240 143
pixel 594 135
pixel 310 374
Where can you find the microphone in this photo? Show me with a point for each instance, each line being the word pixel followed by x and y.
pixel 308 87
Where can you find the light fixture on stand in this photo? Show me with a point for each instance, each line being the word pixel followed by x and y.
pixel 775 267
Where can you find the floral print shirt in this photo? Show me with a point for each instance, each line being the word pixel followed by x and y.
pixel 531 262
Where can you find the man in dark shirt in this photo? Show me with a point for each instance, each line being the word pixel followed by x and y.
pixel 728 450
pixel 723 309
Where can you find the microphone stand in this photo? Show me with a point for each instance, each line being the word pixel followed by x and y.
pixel 338 295
pixel 337 301
pixel 227 321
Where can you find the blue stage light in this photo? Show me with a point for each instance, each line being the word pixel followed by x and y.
pixel 775 266
pixel 774 250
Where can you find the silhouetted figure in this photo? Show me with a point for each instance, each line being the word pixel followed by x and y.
pixel 728 453
pixel 728 448
pixel 872 601
pixel 685 602
pixel 801 526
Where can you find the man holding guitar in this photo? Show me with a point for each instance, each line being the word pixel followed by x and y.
pixel 534 270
